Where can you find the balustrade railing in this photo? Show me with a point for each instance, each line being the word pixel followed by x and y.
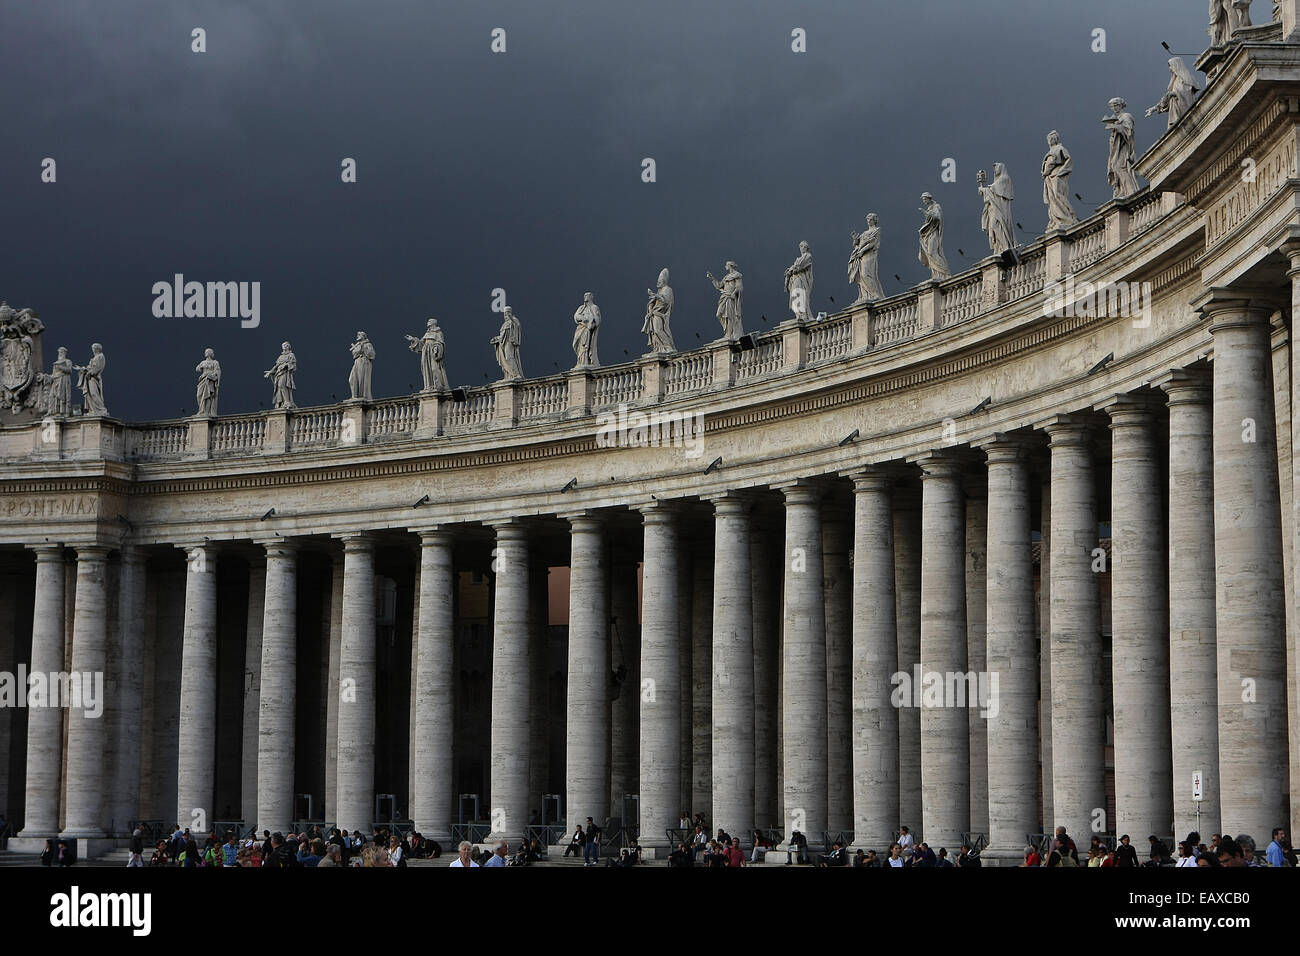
pixel 1144 214
pixel 763 359
pixel 1087 247
pixel 547 397
pixel 395 418
pixel 616 387
pixel 478 408
pixel 830 339
pixel 689 372
pixel 238 434
pixel 1029 276
pixel 896 322
pixel 162 440
pixel 962 301
pixel 315 426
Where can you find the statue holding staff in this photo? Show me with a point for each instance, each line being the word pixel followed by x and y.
pixel 507 343
pixel 432 348
pixel 996 220
pixel 658 312
pixel 731 290
pixel 1123 154
pixel 799 283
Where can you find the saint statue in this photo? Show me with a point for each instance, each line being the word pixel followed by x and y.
pixel 996 220
pixel 864 265
pixel 1057 166
pixel 281 376
pixel 1277 11
pixel 363 361
pixel 1123 155
pixel 507 343
pixel 209 381
pixel 799 283
pixel 731 290
pixel 432 349
pixel 59 395
pixel 1240 15
pixel 91 382
pixel 657 313
pixel 1221 17
pixel 1178 98
pixel 586 322
pixel 931 254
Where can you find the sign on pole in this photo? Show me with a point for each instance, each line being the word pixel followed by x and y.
pixel 1196 785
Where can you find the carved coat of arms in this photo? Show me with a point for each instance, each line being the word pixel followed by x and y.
pixel 17 373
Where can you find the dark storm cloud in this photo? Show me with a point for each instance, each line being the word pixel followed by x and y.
pixel 519 171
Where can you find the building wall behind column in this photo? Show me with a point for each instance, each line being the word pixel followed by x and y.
pixel 232 622
pixel 17 598
pixel 314 586
pixel 169 614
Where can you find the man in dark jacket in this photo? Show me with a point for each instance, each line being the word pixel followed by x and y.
pixel 1126 854
pixel 281 855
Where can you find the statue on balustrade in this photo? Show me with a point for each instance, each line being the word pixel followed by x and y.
pixel 91 382
pixel 58 385
pixel 996 220
pixel 799 283
pixel 1240 15
pixel 209 381
pixel 1057 166
pixel 433 349
pixel 731 292
pixel 507 343
pixel 1123 154
pixel 586 323
pixel 1221 17
pixel 1277 11
pixel 658 312
pixel 281 376
pixel 864 261
pixel 931 254
pixel 1182 91
pixel 363 361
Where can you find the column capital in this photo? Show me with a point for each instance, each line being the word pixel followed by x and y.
pixel 278 547
pixel 47 552
pixel 1227 307
pixel 938 464
pixel 730 502
pixel 509 529
pixel 434 536
pixel 1127 410
pixel 584 521
pixel 1185 387
pixel 659 511
pixel 1003 449
pixel 872 478
pixel 803 491
pixel 357 542
pixel 1063 430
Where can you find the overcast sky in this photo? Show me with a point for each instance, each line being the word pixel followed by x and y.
pixel 518 170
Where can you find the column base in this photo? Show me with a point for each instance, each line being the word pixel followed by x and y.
pixel 30 844
pixel 1003 855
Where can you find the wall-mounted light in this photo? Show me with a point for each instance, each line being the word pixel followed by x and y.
pixel 851 436
pixel 1110 357
pixel 420 502
pixel 573 483
pixel 268 514
pixel 713 464
pixel 984 403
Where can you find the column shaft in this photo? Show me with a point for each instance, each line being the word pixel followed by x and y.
pixel 45 724
pixel 837 589
pixel 85 784
pixel 587 749
pixel 197 723
pixel 511 727
pixel 431 803
pixel 766 596
pixel 356 687
pixel 132 588
pixel 733 671
pixel 907 610
pixel 277 694
pixel 660 743
pixel 976 648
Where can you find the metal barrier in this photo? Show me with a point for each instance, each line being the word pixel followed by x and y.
pixel 546 835
pixel 151 831
pixel 976 841
pixel 842 837
pixel 473 832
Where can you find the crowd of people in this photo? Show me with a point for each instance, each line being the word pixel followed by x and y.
pixel 309 848
pixel 1220 851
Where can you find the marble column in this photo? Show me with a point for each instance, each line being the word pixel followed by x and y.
pixel 1192 655
pixel 1045 649
pixel 539 631
pixel 945 744
pixel 277 694
pixel 356 687
pixel 85 784
pixel 702 684
pixel 1078 714
pixel 685 631
pixel 431 801
pixel 197 723
pixel 837 589
pixel 252 689
pixel 1144 800
pixel 45 724
pixel 803 695
pixel 659 695
pixel 132 588
pixel 625 652
pixel 331 688
pixel 1012 655
pixel 875 661
pixel 976 643
pixel 586 732
pixel 1250 623
pixel 907 610
pixel 511 674
pixel 733 670
pixel 764 548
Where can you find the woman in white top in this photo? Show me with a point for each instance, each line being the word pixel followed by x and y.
pixel 394 851
pixel 464 849
pixel 1185 855
pixel 896 855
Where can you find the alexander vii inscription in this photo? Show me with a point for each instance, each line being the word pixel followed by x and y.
pixel 49 506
